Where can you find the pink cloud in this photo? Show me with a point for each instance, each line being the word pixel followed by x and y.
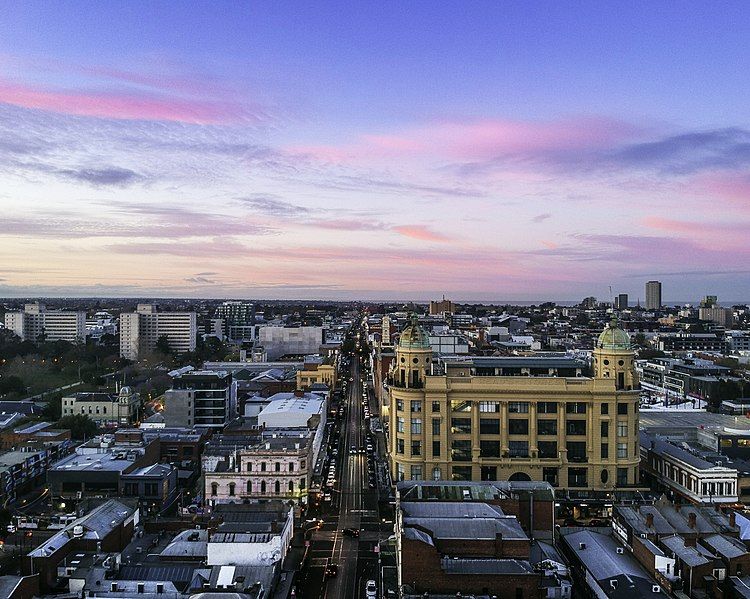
pixel 477 140
pixel 729 186
pixel 420 232
pixel 125 106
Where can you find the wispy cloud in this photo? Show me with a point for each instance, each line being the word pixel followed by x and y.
pixel 540 218
pixel 421 232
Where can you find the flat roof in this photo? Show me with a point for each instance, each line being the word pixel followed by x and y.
pixel 690 419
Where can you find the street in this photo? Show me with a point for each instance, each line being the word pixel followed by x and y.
pixel 354 506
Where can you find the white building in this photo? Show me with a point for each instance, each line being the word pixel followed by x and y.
pixel 56 325
pixel 140 330
pixel 279 341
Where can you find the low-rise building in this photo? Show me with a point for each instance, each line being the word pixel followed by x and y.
pixel 32 433
pixel 106 409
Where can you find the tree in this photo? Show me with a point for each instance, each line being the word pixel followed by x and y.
pixel 11 384
pixel 162 345
pixel 80 425
pixel 53 409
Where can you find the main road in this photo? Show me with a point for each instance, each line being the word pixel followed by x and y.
pixel 354 506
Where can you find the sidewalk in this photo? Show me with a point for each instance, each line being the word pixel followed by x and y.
pixel 290 567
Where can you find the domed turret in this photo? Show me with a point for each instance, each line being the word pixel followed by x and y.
pixel 125 391
pixel 414 336
pixel 613 337
pixel 613 357
pixel 413 355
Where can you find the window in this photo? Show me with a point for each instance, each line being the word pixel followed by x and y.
pixel 622 429
pixel 214 489
pixel 489 426
pixel 461 425
pixel 488 473
pixel 291 466
pixel 277 487
pixel 416 426
pixel 262 487
pixel 400 473
pixel 461 451
pixel 575 407
pixel 576 451
pixel 399 425
pixel 278 466
pixel 435 406
pixel 518 407
pixel 550 475
pixel 302 483
pixel 436 427
pixel 231 489
pixel 249 487
pixel 416 472
pixel 518 449
pixel 622 409
pixel 516 426
pixel 436 449
pixel 399 446
pixel 622 477
pixel 302 464
pixel 546 427
pixel 622 450
pixel 577 477
pixel 489 449
pixel 489 406
pixel 291 486
pixel 436 473
pixel 575 427
pixel 605 408
pixel 416 448
pixel 605 451
pixel 605 429
pixel 249 466
pixel 399 405
pixel 547 449
pixel 262 466
pixel 547 407
pixel 461 473
pixel 416 406
pixel 461 406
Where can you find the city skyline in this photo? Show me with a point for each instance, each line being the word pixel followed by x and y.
pixel 506 153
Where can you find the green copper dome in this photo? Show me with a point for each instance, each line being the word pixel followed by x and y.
pixel 613 337
pixel 414 336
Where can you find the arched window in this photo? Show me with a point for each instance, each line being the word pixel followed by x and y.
pixel 291 486
pixel 231 489
pixel 262 487
pixel 436 474
pixel 249 486
pixel 214 489
pixel 262 466
pixel 277 487
pixel 249 467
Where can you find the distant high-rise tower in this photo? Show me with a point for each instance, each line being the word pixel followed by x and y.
pixel 653 295
pixel 621 301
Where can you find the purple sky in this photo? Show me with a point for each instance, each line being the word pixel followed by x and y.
pixel 488 151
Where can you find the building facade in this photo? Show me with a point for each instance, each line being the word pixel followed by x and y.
pixel 118 409
pixel 280 341
pixel 653 295
pixel 515 418
pixel 140 330
pixel 236 320
pixel 35 321
pixel 200 398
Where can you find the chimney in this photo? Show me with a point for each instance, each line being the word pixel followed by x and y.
pixel 650 520
pixel 732 519
pixel 498 545
pixel 691 519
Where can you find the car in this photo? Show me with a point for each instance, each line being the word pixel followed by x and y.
pixel 351 532
pixel 353 448
pixel 371 590
pixel 331 571
pixel 326 497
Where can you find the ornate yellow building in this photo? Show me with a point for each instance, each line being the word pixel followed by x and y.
pixel 517 418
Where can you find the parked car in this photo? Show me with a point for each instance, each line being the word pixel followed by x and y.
pixel 371 590
pixel 351 532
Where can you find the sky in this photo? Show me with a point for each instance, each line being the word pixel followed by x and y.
pixel 375 150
